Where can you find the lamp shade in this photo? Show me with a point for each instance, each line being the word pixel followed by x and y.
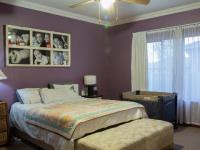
pixel 90 80
pixel 2 75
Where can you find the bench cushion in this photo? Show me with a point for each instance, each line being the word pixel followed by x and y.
pixel 143 134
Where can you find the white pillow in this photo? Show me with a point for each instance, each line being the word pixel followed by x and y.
pixel 68 87
pixel 57 95
pixel 29 95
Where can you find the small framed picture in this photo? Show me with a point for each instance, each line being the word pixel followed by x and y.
pixel 41 57
pixel 61 58
pixel 17 56
pixel 41 39
pixel 18 36
pixel 60 41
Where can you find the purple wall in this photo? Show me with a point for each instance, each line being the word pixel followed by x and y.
pixel 120 45
pixel 106 53
pixel 87 49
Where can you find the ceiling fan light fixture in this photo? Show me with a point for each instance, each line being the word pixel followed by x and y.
pixel 109 6
pixel 106 4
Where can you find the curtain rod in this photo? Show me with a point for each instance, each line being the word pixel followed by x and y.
pixel 171 27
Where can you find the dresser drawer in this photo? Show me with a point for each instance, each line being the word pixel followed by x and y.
pixel 3 138
pixel 3 124
pixel 3 109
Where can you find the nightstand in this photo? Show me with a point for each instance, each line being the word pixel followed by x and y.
pixel 95 96
pixel 3 123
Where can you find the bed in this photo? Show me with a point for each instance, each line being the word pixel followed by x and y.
pixel 62 125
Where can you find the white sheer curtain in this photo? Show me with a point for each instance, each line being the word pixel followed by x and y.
pixel 174 66
pixel 160 46
pixel 139 62
pixel 169 60
pixel 165 63
pixel 191 84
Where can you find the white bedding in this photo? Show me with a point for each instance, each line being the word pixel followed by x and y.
pixel 18 120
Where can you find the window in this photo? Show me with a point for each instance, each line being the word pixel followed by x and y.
pixel 192 67
pixel 172 65
pixel 160 65
pixel 162 73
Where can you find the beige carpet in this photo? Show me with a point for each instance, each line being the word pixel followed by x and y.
pixel 185 138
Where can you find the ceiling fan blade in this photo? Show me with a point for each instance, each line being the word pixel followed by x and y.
pixel 144 2
pixel 82 3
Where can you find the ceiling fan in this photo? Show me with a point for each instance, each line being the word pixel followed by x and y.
pixel 107 4
pixel 110 2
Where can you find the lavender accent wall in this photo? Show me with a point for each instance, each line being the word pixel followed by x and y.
pixel 88 56
pixel 120 47
pixel 95 50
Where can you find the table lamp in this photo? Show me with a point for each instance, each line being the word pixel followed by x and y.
pixel 2 75
pixel 90 82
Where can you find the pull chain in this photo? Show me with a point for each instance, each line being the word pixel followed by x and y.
pixel 116 11
pixel 99 12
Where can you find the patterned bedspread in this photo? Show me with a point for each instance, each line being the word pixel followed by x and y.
pixel 75 119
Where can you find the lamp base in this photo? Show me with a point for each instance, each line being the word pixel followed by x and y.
pixel 91 90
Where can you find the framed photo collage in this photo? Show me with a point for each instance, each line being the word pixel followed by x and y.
pixel 37 48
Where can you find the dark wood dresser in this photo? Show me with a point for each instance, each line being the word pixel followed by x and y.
pixel 3 123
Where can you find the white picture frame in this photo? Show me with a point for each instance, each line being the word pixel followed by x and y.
pixel 28 47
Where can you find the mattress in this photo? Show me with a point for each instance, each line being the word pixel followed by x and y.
pixel 19 119
pixel 74 119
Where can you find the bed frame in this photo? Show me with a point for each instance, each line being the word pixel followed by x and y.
pixel 26 137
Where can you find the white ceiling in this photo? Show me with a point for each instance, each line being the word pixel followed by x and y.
pixel 126 11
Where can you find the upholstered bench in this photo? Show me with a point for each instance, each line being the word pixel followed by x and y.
pixel 143 134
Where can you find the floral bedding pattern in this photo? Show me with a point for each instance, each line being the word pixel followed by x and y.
pixel 64 118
